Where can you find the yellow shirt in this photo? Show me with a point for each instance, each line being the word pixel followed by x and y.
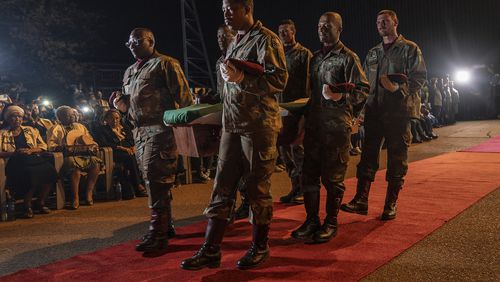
pixel 56 136
pixel 33 139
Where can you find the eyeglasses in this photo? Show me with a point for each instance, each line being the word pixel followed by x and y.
pixel 134 42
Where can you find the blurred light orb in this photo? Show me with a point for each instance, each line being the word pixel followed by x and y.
pixel 462 76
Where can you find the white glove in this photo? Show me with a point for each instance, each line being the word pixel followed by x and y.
pixel 388 84
pixel 230 73
pixel 329 95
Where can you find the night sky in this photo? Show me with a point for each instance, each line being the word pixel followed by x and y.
pixel 451 33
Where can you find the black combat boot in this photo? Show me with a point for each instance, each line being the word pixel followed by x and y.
pixel 209 253
pixel 390 201
pixel 329 228
pixel 359 204
pixel 312 223
pixel 156 239
pixel 259 251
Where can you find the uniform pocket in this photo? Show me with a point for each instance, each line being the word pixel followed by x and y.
pixel 407 137
pixel 126 85
pixel 344 156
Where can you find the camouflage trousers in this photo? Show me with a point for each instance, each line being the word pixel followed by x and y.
pixel 293 158
pixel 157 160
pixel 251 156
pixel 326 156
pixel 397 135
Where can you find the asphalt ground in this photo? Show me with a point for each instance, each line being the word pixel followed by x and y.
pixel 464 249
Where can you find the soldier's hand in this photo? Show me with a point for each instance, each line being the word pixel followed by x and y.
pixel 120 103
pixel 329 95
pixel 388 84
pixel 116 93
pixel 231 73
pixel 360 119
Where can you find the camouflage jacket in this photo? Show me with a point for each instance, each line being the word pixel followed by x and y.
pixel 220 81
pixel 435 96
pixel 298 60
pixel 157 86
pixel 447 95
pixel 455 97
pixel 340 65
pixel 251 105
pixel 405 57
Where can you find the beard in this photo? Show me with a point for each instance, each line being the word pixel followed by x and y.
pixel 387 32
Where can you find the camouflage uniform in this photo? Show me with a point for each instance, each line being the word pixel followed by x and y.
pixel 298 59
pixel 447 103
pixel 388 114
pixel 251 120
pixel 220 81
pixel 387 117
pixel 328 128
pixel 243 210
pixel 436 99
pixel 455 100
pixel 153 86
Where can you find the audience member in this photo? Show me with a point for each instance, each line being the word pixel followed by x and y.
pixel 75 141
pixel 32 118
pixel 113 133
pixel 27 171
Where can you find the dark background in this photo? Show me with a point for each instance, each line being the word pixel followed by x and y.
pixel 451 33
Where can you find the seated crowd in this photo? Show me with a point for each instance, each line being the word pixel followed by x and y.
pixel 27 142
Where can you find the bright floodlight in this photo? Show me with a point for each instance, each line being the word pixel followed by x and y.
pixel 462 76
pixel 85 109
pixel 46 102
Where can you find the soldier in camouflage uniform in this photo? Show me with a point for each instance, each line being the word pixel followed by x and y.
pixel 389 108
pixel 251 120
pixel 455 100
pixel 329 119
pixel 298 59
pixel 153 84
pixel 225 35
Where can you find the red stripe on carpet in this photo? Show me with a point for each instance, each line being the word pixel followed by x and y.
pixel 436 190
pixel 490 146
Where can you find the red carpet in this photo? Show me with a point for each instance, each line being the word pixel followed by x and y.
pixel 437 189
pixel 490 146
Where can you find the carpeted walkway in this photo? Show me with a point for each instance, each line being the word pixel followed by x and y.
pixel 490 146
pixel 436 190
